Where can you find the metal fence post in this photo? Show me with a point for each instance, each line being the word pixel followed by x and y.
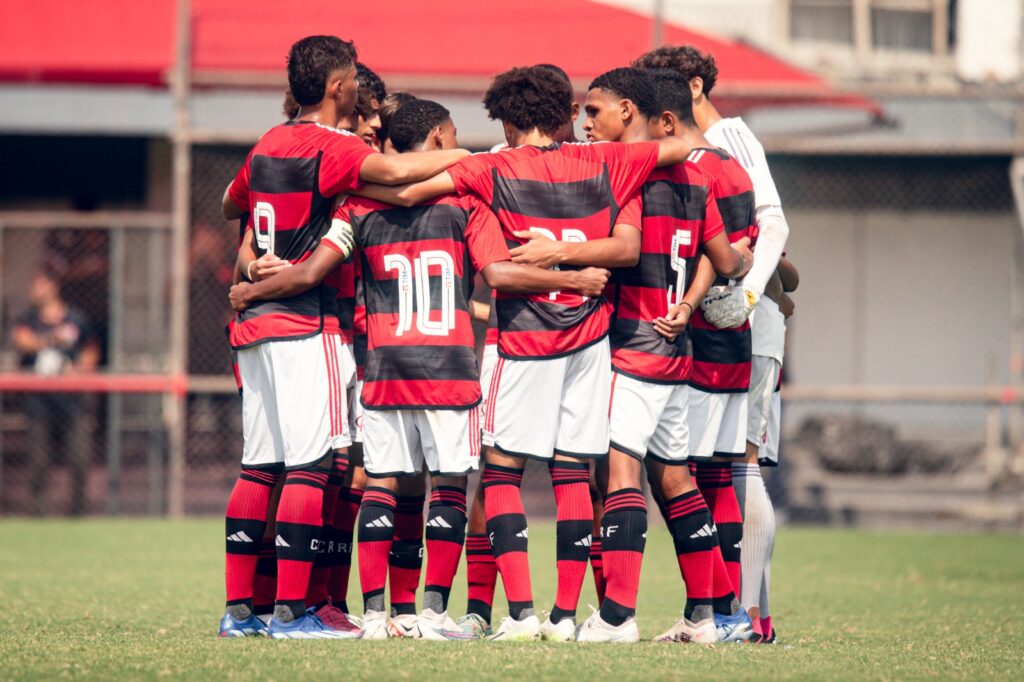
pixel 115 338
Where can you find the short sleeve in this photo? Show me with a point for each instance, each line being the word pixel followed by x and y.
pixel 713 223
pixel 472 175
pixel 484 237
pixel 632 213
pixel 239 189
pixel 745 148
pixel 343 156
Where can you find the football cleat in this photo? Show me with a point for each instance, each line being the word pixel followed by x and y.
pixel 734 628
pixel 474 624
pixel 597 629
pixel 562 631
pixel 306 627
pixel 440 627
pixel 511 630
pixel 405 625
pixel 337 620
pixel 684 630
pixel 375 625
pixel 250 627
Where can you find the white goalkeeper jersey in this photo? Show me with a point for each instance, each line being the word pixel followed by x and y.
pixel 768 326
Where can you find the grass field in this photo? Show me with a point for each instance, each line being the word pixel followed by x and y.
pixel 141 598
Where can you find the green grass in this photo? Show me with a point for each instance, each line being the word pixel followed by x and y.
pixel 141 598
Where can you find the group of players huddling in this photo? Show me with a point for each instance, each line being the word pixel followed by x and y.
pixel 618 346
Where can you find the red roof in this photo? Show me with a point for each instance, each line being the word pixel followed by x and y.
pixel 97 41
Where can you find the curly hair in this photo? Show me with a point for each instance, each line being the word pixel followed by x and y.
pixel 371 82
pixel 682 58
pixel 673 92
pixel 290 108
pixel 530 97
pixel 387 110
pixel 413 121
pixel 632 84
pixel 311 61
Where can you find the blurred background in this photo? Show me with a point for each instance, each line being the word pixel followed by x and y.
pixel 894 131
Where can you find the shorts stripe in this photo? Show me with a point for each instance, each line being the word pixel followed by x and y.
pixel 611 394
pixel 339 389
pixel 330 383
pixel 492 396
pixel 474 432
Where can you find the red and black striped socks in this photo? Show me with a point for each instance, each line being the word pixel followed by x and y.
pixel 506 525
pixel 376 532
pixel 345 513
pixel 446 533
pixel 329 549
pixel 693 534
pixel 623 538
pixel 714 479
pixel 299 520
pixel 245 522
pixel 405 562
pixel 573 533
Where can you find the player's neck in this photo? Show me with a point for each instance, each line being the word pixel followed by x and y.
pixel 705 114
pixel 534 138
pixel 636 131
pixel 324 113
pixel 694 137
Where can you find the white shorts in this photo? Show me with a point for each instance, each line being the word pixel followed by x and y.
pixel 768 453
pixel 560 405
pixel 487 363
pixel 649 419
pixel 764 377
pixel 295 407
pixel 718 424
pixel 356 410
pixel 398 442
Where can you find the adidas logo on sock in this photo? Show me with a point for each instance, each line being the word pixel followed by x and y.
pixel 438 522
pixel 382 522
pixel 240 536
pixel 704 531
pixel 280 542
pixel 524 533
pixel 585 542
pixel 737 545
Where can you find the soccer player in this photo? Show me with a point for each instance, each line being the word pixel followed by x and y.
pixel 387 109
pixel 371 95
pixel 422 386
pixel 740 300
pixel 293 420
pixel 650 356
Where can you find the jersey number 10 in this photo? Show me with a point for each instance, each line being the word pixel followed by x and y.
pixel 414 291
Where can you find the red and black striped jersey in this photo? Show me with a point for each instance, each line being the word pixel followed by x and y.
pixel 417 267
pixel 569 192
pixel 680 214
pixel 721 357
pixel 288 184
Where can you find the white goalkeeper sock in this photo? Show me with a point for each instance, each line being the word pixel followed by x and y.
pixel 758 531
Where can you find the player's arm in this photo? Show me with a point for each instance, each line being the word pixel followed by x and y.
pixel 397 169
pixel 732 261
pixel 480 301
pixel 235 201
pixel 228 206
pixel 409 194
pixel 513 278
pixel 252 268
pixel 672 150
pixel 673 324
pixel 788 275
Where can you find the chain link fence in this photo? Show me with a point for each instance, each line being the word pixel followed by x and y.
pixel 862 229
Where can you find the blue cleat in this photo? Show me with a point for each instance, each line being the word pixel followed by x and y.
pixel 306 627
pixel 250 627
pixel 734 628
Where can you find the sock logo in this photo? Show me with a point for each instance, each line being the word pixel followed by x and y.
pixel 382 522
pixel 704 531
pixel 438 522
pixel 240 536
pixel 737 545
pixel 585 542
pixel 524 533
pixel 608 530
pixel 280 542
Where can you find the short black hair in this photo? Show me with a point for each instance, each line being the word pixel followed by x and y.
pixel 311 61
pixel 388 107
pixel 632 84
pixel 413 121
pixel 673 94
pixel 371 82
pixel 290 108
pixel 530 97
pixel 686 60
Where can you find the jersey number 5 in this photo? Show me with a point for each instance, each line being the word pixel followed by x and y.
pixel 414 291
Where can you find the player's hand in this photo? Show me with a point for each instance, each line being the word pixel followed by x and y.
pixel 239 296
pixel 742 245
pixel 266 265
pixel 539 251
pixel 673 324
pixel 591 281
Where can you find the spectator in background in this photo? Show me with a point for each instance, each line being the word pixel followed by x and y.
pixel 54 338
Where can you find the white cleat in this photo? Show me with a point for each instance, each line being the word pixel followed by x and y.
pixel 375 625
pixel 596 629
pixel 562 631
pixel 405 626
pixel 684 630
pixel 517 630
pixel 474 624
pixel 439 627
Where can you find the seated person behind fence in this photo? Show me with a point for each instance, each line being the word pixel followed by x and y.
pixel 53 338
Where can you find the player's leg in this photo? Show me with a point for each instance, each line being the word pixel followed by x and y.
pixel 350 498
pixel 598 488
pixel 769 456
pixel 481 571
pixel 582 437
pixel 265 584
pixel 405 562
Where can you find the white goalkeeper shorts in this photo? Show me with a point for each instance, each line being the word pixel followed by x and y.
pixel 718 424
pixel 764 377
pixel 356 410
pixel 768 453
pixel 295 406
pixel 649 419
pixel 400 442
pixel 487 363
pixel 559 405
